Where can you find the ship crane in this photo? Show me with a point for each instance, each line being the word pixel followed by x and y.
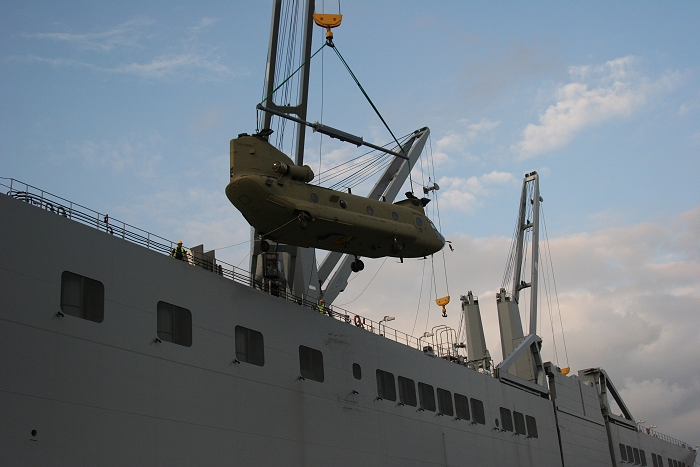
pixel 522 360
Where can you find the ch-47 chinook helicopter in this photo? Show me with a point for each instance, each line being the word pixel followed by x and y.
pixel 275 197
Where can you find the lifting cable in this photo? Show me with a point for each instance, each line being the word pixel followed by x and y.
pixel 556 293
pixel 257 120
pixel 368 284
pixel 437 210
pixel 420 295
pixel 330 43
pixel 432 286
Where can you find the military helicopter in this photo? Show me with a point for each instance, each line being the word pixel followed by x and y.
pixel 275 197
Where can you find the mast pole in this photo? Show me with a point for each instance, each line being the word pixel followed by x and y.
pixel 534 274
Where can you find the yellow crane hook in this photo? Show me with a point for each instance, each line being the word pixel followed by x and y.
pixel 328 21
pixel 442 302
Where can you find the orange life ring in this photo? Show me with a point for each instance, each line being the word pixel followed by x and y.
pixel 359 321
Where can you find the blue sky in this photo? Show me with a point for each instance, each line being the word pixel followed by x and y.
pixel 128 108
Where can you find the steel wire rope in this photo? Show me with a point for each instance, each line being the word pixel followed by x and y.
pixel 433 287
pixel 289 77
pixel 404 138
pixel 549 307
pixel 380 158
pixel 368 284
pixel 437 209
pixel 420 296
pixel 348 172
pixel 358 170
pixel 320 139
pixel 556 293
pixel 380 166
pixel 290 54
pixel 365 173
pixel 335 48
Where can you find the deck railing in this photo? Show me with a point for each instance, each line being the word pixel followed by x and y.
pixel 657 434
pixel 101 221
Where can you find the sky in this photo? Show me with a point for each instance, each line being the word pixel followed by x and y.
pixel 128 108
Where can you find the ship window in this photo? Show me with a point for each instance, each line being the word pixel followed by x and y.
pixel 519 420
pixel 643 457
pixel 419 221
pixel 249 346
pixel 314 197
pixel 407 391
pixel 630 454
pixel 531 426
pixel 670 462
pixel 174 324
pixel 445 402
pixel 370 211
pixel 386 387
pixel 82 297
pixel 395 215
pixel 636 456
pixel 427 397
pixel 311 363
pixel 357 371
pixel 478 411
pixel 653 460
pixel 623 452
pixel 506 419
pixel 462 406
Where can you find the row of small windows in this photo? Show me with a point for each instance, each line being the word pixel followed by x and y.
pixel 633 455
pixel 638 457
pixel 517 422
pixel 464 408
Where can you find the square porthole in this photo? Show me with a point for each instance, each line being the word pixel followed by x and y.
pixel 249 346
pixel 174 324
pixel 311 363
pixel 82 297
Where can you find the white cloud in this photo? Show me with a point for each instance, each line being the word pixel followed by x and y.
pixel 194 59
pixel 171 64
pixel 136 152
pixel 466 194
pixel 596 94
pixel 127 34
pixel 457 143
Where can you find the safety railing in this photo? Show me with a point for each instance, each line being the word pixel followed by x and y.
pixel 656 434
pixel 101 221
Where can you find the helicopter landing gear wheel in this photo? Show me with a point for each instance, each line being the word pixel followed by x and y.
pixel 397 248
pixel 357 265
pixel 304 220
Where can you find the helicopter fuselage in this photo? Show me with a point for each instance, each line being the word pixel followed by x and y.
pixel 275 197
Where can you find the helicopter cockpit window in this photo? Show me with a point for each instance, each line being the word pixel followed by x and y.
pixel 314 197
pixel 395 216
pixel 431 224
pixel 370 211
pixel 419 221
